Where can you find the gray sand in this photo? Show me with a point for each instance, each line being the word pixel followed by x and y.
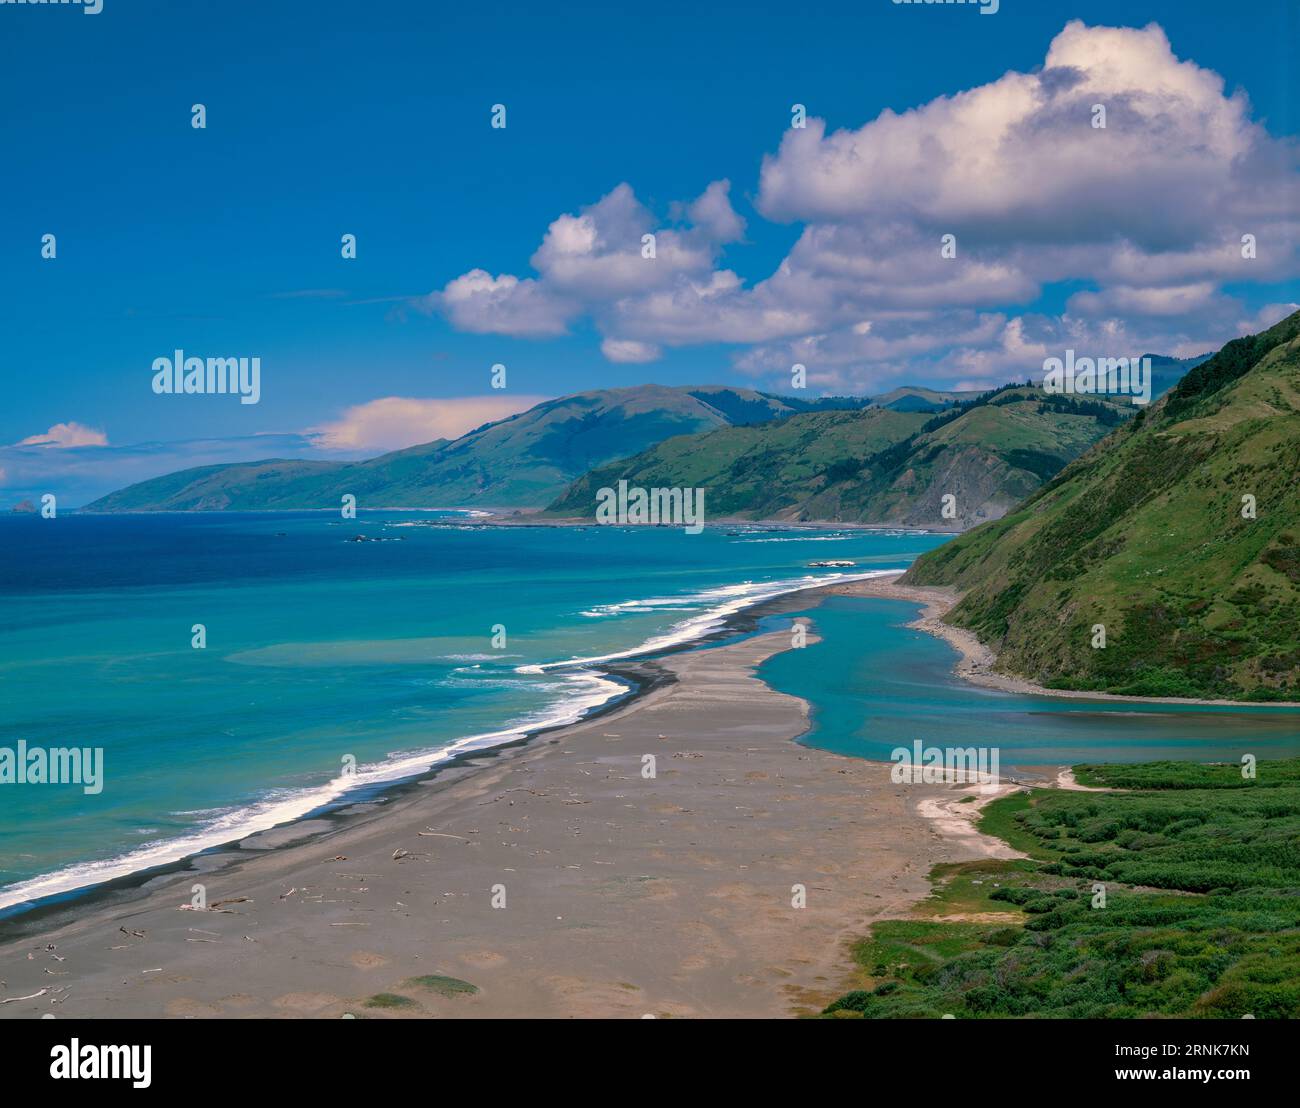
pixel 624 897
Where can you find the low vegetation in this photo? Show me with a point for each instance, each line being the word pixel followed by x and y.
pixel 443 986
pixel 1179 897
pixel 390 1000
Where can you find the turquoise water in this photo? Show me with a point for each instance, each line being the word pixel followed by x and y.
pixel 875 684
pixel 323 651
pixel 319 648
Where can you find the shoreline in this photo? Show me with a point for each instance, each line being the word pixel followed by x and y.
pixel 16 920
pixel 528 517
pixel 709 684
pixel 638 671
pixel 628 896
pixel 977 660
pixel 626 668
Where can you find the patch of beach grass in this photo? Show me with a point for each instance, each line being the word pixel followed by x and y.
pixel 390 1000
pixel 443 986
pixel 908 945
pixel 966 888
pixel 1004 819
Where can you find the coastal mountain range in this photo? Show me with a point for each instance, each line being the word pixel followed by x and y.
pixel 523 461
pixel 1178 534
pixel 878 465
pixel 887 459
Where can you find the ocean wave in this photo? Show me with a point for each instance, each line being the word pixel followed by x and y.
pixel 900 533
pixel 638 606
pixel 724 601
pixel 588 691
pixel 470 677
pixel 804 538
pixel 465 513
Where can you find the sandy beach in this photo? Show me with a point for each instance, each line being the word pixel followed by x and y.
pixel 546 879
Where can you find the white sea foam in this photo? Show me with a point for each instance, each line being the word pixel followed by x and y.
pixel 465 513
pixel 723 602
pixel 838 537
pixel 804 538
pixel 663 604
pixel 590 690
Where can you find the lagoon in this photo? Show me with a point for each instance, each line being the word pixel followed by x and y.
pixel 875 684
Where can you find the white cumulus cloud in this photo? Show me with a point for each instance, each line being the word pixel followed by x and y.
pixel 587 263
pixel 630 351
pixel 68 434
pixel 394 422
pixel 1148 215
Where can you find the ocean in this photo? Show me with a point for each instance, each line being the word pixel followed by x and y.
pixel 333 665
pixel 323 653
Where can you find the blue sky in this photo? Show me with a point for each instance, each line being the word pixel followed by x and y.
pixel 329 118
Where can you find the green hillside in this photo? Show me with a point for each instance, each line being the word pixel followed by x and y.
pixel 523 461
pixel 879 465
pixel 1145 535
pixel 913 398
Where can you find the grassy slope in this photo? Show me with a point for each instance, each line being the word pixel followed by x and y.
pixel 1201 916
pixel 876 466
pixel 750 470
pixel 237 486
pixel 1144 534
pixel 522 461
